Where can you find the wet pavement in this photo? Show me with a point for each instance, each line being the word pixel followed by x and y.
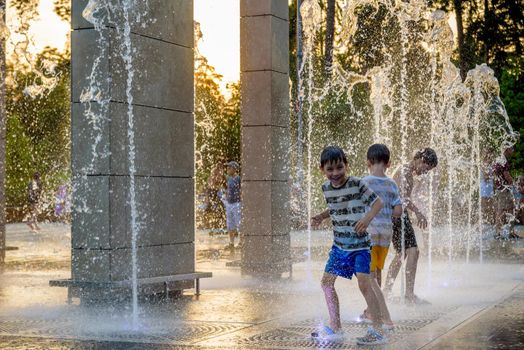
pixel 473 306
pixel 500 326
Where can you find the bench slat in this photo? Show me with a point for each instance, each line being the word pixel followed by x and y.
pixel 141 281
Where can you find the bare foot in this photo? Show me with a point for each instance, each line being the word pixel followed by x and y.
pixel 415 300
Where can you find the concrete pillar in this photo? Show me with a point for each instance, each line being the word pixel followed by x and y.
pixel 264 61
pixel 163 97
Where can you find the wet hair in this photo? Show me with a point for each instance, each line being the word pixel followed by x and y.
pixel 332 154
pixel 428 155
pixel 378 153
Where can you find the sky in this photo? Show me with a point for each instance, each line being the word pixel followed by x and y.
pixel 220 25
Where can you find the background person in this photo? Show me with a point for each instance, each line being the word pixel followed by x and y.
pixel 504 201
pixel 404 240
pixel 34 191
pixel 232 202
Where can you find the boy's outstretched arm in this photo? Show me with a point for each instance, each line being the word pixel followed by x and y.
pixel 421 218
pixel 317 219
pixel 363 223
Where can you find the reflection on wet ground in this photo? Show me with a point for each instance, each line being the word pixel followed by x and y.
pixel 249 313
pixel 498 327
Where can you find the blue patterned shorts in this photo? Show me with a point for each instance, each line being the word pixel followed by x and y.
pixel 346 264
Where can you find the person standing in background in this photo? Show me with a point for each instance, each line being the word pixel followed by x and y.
pixel 34 191
pixel 232 202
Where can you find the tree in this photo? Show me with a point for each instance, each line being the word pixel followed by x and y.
pixel 38 130
pixel 512 94
pixel 493 33
pixel 457 4
pixel 217 129
pixel 63 9
pixel 330 35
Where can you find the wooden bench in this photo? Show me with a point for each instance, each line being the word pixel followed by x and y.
pixel 164 280
pixel 9 248
pixel 2 253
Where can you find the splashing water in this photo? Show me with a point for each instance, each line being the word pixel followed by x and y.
pixel 122 16
pixel 311 14
pixel 413 97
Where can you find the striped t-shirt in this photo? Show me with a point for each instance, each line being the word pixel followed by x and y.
pixel 381 227
pixel 347 205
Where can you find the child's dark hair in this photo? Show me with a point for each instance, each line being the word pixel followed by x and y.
pixel 332 154
pixel 378 153
pixel 428 155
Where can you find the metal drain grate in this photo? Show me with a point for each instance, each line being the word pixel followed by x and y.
pixel 193 333
pixel 184 333
pixel 297 336
pixel 20 327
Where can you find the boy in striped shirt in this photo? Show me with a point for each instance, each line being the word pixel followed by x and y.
pixel 347 199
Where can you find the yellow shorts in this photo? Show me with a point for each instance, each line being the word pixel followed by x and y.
pixel 378 257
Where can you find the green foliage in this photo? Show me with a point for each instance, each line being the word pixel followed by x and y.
pixel 38 135
pixel 26 11
pixel 512 93
pixel 492 34
pixel 217 122
pixel 63 9
pixel 217 131
pixel 495 36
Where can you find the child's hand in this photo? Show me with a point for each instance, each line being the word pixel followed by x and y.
pixel 361 226
pixel 316 221
pixel 422 221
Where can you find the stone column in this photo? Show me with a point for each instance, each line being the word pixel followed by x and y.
pixel 163 93
pixel 264 64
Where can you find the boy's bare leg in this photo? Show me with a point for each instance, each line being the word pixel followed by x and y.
pixel 383 308
pixel 504 218
pixel 232 237
pixel 35 223
pixel 374 276
pixel 411 271
pixel 499 221
pixel 393 271
pixel 33 220
pixel 240 239
pixel 487 211
pixel 378 276
pixel 365 286
pixel 328 286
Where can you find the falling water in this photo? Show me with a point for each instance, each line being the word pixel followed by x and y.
pixel 415 103
pixel 435 36
pixel 127 55
pixel 403 105
pixel 449 192
pixel 312 18
pixel 121 15
pixel 95 99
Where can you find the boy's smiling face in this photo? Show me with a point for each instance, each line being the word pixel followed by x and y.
pixel 335 172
